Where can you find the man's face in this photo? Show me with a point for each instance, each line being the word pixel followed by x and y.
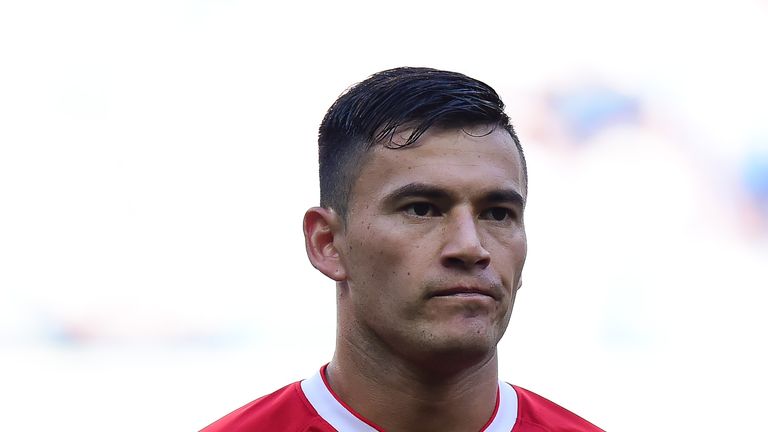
pixel 434 245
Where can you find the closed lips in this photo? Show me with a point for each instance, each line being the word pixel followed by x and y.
pixel 461 291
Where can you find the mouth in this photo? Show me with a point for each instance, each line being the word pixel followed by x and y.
pixel 464 292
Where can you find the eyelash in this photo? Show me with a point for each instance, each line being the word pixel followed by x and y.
pixel 430 210
pixel 508 213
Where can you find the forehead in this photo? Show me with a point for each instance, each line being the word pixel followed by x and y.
pixel 456 160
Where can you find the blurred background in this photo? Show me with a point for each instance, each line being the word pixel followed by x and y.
pixel 156 158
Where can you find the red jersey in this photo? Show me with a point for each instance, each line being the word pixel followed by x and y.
pixel 311 406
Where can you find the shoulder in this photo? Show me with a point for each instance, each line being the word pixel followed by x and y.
pixel 285 409
pixel 538 414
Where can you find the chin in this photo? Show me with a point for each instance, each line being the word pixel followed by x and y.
pixel 462 349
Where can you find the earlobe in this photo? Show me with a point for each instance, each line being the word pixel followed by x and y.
pixel 321 226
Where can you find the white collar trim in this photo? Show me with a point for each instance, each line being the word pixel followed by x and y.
pixel 506 416
pixel 333 412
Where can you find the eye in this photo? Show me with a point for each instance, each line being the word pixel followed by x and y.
pixel 421 209
pixel 498 214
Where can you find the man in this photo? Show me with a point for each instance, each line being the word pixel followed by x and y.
pixel 423 186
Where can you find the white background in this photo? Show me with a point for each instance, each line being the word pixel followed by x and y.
pixel 156 158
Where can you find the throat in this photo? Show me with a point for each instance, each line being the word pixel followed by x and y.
pixel 395 397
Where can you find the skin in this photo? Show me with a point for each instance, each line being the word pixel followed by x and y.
pixel 427 265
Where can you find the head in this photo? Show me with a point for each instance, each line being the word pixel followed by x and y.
pixel 423 187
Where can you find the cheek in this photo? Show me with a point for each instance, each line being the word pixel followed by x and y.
pixel 373 259
pixel 382 267
pixel 510 257
pixel 380 246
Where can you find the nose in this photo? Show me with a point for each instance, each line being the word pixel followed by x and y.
pixel 463 247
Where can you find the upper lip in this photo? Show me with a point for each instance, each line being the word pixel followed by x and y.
pixel 465 289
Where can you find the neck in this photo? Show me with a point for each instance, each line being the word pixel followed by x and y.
pixel 402 395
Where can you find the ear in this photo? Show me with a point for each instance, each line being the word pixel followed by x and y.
pixel 321 228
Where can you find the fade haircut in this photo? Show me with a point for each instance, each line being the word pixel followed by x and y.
pixel 372 111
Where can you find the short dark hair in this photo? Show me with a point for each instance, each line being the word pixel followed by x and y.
pixel 371 111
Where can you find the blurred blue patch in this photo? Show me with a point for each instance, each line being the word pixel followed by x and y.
pixel 755 177
pixel 589 109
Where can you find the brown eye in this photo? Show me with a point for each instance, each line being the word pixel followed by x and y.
pixel 421 209
pixel 498 214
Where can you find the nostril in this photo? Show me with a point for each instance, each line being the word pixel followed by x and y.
pixel 453 262
pixel 466 263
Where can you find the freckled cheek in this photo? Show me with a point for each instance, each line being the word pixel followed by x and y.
pixel 380 258
pixel 384 282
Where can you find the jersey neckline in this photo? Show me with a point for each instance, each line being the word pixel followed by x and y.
pixel 344 419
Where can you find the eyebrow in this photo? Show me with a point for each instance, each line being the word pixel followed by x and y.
pixel 417 190
pixel 505 196
pixel 425 190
